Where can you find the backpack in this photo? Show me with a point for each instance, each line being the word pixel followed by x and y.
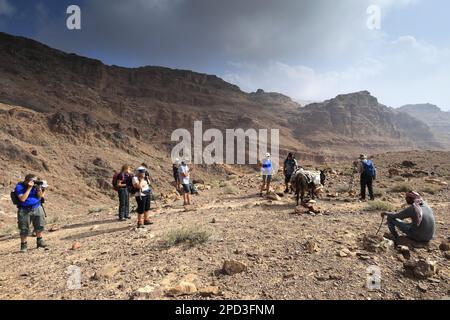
pixel 369 168
pixel 115 180
pixel 14 198
pixel 193 189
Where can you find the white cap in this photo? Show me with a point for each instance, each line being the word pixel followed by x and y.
pixel 141 169
pixel 177 161
pixel 267 155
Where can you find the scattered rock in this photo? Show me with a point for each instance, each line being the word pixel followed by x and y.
pixel 408 164
pixel 422 287
pixel 421 269
pixel 209 291
pixel 411 244
pixel 231 267
pixel 273 196
pixel 404 250
pixel 377 244
pixel 76 246
pixel 181 289
pixel 436 181
pixel 344 253
pixel 445 245
pixel 299 210
pixel 146 292
pixel 53 228
pixel 311 246
pixel 213 220
pixel 107 271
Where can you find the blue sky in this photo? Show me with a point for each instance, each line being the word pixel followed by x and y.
pixel 308 49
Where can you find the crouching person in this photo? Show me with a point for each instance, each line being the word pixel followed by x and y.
pixel 422 227
pixel 30 196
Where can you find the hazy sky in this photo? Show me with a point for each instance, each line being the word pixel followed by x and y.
pixel 307 49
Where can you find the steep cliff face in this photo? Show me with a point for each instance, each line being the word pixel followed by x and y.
pixel 359 119
pixel 434 117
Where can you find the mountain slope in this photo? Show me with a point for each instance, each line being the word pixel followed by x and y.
pixel 79 95
pixel 358 120
pixel 434 117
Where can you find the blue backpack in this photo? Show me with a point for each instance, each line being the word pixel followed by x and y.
pixel 369 168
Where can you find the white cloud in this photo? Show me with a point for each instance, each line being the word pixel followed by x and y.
pixel 400 71
pixel 302 82
pixel 6 8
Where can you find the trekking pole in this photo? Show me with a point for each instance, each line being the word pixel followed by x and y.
pixel 381 224
pixel 43 209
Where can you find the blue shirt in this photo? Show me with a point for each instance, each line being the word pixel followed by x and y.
pixel 266 167
pixel 32 201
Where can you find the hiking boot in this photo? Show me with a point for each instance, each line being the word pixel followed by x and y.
pixel 122 219
pixel 23 247
pixel 147 222
pixel 140 226
pixel 41 243
pixel 286 191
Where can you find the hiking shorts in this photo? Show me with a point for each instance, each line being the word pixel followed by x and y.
pixel 267 178
pixel 287 178
pixel 143 204
pixel 27 216
pixel 176 177
pixel 186 188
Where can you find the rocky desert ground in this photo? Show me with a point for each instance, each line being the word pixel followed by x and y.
pixel 233 244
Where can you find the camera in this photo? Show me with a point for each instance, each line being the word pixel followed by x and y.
pixel 40 185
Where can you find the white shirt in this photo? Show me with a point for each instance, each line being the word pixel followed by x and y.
pixel 184 169
pixel 145 187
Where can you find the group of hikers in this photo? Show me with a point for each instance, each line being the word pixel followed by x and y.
pixel 138 185
pixel 29 196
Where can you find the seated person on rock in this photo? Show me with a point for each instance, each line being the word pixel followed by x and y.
pixel 422 226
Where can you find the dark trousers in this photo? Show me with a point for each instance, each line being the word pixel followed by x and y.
pixel 124 203
pixel 366 181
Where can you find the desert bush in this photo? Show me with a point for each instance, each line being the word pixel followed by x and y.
pixel 379 205
pixel 401 187
pixel 378 192
pixel 430 189
pixel 230 190
pixel 223 184
pixel 188 236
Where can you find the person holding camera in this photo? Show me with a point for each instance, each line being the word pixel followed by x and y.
pixel 143 193
pixel 30 195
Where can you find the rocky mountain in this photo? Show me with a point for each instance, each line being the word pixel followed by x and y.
pixel 358 120
pixel 434 117
pixel 82 100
